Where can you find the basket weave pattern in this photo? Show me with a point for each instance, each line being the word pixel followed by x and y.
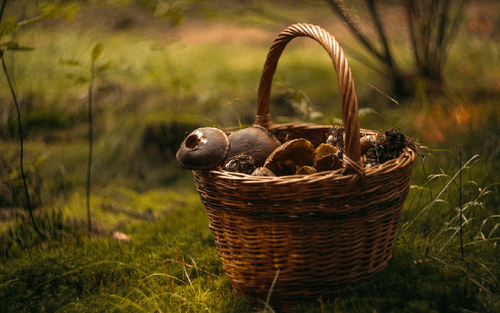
pixel 324 232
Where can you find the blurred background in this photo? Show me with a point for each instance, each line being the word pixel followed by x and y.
pixel 428 68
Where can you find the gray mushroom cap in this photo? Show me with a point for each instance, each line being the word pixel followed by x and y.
pixel 205 148
pixel 256 141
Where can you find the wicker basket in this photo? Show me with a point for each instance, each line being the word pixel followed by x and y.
pixel 317 234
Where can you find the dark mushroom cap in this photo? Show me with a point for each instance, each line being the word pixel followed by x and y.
pixel 204 149
pixel 256 141
pixel 288 156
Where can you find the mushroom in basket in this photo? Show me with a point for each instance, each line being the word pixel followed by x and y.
pixel 255 141
pixel 290 156
pixel 204 149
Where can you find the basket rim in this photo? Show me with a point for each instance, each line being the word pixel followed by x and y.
pixel 405 158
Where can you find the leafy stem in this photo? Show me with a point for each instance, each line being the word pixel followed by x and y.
pixel 20 128
pixel 96 53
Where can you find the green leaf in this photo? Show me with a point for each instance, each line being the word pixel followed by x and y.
pixel 103 67
pixel 71 62
pixel 40 161
pixel 82 80
pixel 13 45
pixel 418 187
pixel 70 11
pixel 50 10
pixel 78 80
pixel 8 26
pixel 15 175
pixel 96 52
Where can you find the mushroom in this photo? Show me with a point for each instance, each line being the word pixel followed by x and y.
pixel 262 171
pixel 255 141
pixel 336 136
pixel 306 170
pixel 291 155
pixel 204 149
pixel 242 163
pixel 326 158
pixel 366 143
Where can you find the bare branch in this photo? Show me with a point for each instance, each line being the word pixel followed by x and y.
pixel 381 33
pixel 454 28
pixel 350 24
pixel 411 13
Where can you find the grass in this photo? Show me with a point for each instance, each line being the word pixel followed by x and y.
pixel 157 87
pixel 171 265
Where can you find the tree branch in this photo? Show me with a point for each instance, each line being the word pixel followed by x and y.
pixel 411 12
pixel 381 33
pixel 454 28
pixel 350 24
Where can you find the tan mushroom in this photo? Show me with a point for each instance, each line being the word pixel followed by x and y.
pixel 306 170
pixel 326 158
pixel 255 141
pixel 366 143
pixel 290 156
pixel 262 171
pixel 336 136
pixel 204 149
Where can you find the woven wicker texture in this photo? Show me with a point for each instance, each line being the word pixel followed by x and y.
pixel 325 232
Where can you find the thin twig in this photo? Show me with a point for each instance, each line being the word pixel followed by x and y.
pixel 460 201
pixel 89 164
pixel 2 9
pixel 21 156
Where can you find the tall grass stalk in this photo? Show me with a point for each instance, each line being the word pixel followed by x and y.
pixel 96 52
pixel 460 202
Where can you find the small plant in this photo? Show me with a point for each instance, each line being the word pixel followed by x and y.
pixel 96 53
pixel 7 28
pixel 90 80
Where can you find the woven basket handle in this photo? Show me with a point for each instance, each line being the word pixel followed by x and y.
pixel 344 77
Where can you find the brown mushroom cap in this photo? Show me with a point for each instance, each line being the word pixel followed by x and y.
pixel 204 149
pixel 297 152
pixel 262 171
pixel 366 143
pixel 255 141
pixel 306 170
pixel 326 158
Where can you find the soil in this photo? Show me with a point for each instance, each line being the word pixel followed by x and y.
pixel 388 146
pixel 241 163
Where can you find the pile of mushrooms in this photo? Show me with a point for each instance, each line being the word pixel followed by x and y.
pixel 242 151
pixel 257 152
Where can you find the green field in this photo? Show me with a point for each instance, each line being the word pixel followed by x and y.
pixel 156 82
